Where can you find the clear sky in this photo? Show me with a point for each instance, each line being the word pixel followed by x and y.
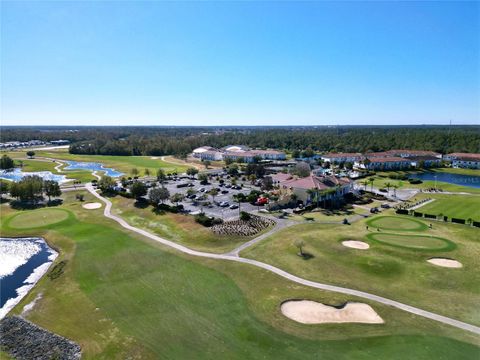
pixel 239 63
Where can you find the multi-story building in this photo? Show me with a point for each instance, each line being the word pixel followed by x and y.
pixel 336 158
pixel 384 163
pixel 237 152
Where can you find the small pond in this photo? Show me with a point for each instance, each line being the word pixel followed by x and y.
pixel 457 179
pixel 17 175
pixel 91 166
pixel 23 262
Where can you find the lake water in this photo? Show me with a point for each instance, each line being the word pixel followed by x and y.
pixel 457 179
pixel 17 175
pixel 91 166
pixel 23 261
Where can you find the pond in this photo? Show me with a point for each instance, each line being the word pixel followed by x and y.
pixel 91 166
pixel 17 175
pixel 24 262
pixel 457 179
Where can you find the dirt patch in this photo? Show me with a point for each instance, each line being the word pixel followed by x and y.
pixel 444 262
pixel 355 244
pixel 92 206
pixel 312 312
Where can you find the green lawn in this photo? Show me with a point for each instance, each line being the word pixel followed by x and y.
pixel 33 165
pixel 396 223
pixel 418 242
pixel 37 218
pixel 121 296
pixel 458 206
pixel 392 271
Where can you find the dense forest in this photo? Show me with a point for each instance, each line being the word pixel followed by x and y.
pixel 182 140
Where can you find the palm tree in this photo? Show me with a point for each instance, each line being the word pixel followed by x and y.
pixel 371 180
pixel 365 183
pixel 388 185
pixel 237 198
pixel 213 193
pixel 395 187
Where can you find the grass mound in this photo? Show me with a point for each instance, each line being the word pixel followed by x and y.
pixel 397 223
pixel 418 242
pixel 38 218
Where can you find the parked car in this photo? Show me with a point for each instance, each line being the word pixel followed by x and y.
pixel 233 206
pixel 374 210
pixel 385 206
pixel 224 191
pixel 202 189
pixel 223 204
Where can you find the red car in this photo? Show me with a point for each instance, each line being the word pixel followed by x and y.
pixel 262 201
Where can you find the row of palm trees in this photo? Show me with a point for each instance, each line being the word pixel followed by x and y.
pixel 316 194
pixel 387 185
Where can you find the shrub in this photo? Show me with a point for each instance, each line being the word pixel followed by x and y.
pixel 402 211
pixel 417 214
pixel 458 221
pixel 476 223
pixel 415 181
pixel 430 216
pixel 204 220
pixel 244 216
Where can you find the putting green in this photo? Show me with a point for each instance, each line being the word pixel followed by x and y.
pixel 397 223
pixel 37 218
pixel 418 242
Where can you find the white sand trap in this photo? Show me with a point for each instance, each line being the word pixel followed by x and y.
pixel 355 244
pixel 154 158
pixel 312 312
pixel 450 263
pixel 92 206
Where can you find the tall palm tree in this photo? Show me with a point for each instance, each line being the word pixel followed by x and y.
pixel 371 180
pixel 388 185
pixel 237 198
pixel 395 187
pixel 365 183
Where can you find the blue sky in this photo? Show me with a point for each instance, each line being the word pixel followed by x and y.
pixel 239 63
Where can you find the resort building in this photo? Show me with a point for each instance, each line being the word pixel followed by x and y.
pixel 413 153
pixel 464 160
pixel 384 163
pixel 236 153
pixel 307 189
pixel 336 158
pixel 424 161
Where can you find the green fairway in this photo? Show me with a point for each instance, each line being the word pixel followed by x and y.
pixel 458 206
pixel 42 165
pixel 397 223
pixel 121 296
pixel 37 218
pixel 419 242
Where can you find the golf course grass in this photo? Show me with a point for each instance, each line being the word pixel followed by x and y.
pixel 122 296
pixel 176 227
pixel 397 223
pixel 37 218
pixel 418 242
pixel 34 165
pixel 457 206
pixel 398 272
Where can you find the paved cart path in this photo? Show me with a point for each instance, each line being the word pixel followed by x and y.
pixel 280 272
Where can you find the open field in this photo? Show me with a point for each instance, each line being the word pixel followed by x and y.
pixel 392 271
pixel 458 206
pixel 120 163
pixel 119 294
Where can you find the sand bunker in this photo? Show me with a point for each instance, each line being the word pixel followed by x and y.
pixel 311 312
pixel 92 206
pixel 355 244
pixel 154 158
pixel 450 263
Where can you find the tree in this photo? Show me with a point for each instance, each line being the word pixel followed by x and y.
pixel 134 172
pixel 30 154
pixel 147 172
pixel 296 154
pixel 4 187
pixel 161 177
pixel 51 188
pixel 267 183
pixel 213 193
pixel 176 198
pixel 192 171
pixel 138 189
pixel 106 184
pixel 302 169
pixel 207 163
pixel 232 169
pixel 365 183
pixel 371 181
pixel 395 187
pixel 300 244
pixel 6 163
pixel 30 188
pixel 238 198
pixel 79 197
pixel 388 185
pixel 245 216
pixel 203 178
pixel 158 195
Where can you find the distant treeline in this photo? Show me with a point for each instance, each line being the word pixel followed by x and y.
pixel 182 140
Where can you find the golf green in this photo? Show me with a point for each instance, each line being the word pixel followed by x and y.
pixel 418 242
pixel 397 223
pixel 37 218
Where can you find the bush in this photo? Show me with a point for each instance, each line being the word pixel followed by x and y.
pixel 402 211
pixel 476 223
pixel 244 216
pixel 458 221
pixel 417 214
pixel 204 220
pixel 415 181
pixel 430 216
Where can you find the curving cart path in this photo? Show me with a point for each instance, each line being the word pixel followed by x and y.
pixel 233 256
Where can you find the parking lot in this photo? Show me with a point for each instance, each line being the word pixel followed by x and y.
pixel 214 209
